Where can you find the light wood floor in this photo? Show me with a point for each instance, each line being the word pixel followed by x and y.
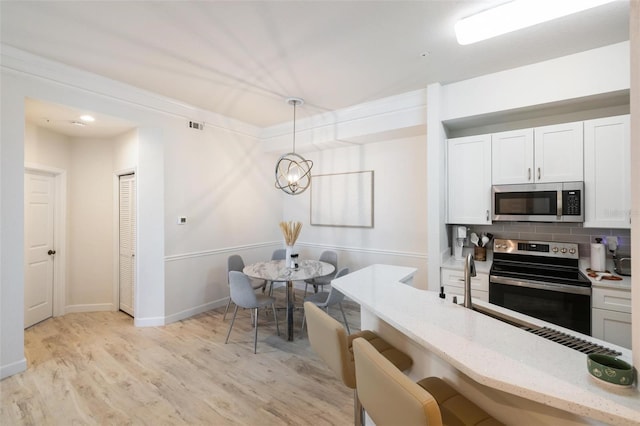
pixel 98 369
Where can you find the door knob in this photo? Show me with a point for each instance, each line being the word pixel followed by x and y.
pixel 51 252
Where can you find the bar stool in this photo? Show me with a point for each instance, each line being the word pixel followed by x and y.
pixel 330 341
pixel 391 398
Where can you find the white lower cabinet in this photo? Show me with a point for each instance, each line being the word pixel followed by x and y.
pixel 453 282
pixel 611 315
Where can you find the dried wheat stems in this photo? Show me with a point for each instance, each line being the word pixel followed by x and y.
pixel 290 230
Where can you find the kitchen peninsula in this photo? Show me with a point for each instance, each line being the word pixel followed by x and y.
pixel 514 375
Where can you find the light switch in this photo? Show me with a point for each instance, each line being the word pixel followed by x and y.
pixel 182 220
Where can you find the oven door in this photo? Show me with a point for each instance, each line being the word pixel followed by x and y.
pixel 564 305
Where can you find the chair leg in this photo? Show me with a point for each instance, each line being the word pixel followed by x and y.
pixel 224 317
pixel 275 317
pixel 255 335
pixel 358 410
pixel 235 312
pixel 304 317
pixel 344 317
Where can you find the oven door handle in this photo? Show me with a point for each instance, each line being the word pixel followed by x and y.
pixel 561 288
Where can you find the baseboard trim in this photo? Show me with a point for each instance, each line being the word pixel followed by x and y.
pixel 187 313
pixel 95 307
pixel 13 368
pixel 149 322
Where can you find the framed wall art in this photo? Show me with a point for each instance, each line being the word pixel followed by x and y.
pixel 342 199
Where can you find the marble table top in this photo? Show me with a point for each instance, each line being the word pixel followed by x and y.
pixel 275 270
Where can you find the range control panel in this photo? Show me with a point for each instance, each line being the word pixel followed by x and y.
pixel 537 248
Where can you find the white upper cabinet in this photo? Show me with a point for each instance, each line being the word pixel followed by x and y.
pixel 512 157
pixel 544 154
pixel 607 173
pixel 469 180
pixel 559 153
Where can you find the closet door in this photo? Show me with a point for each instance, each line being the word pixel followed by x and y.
pixel 127 224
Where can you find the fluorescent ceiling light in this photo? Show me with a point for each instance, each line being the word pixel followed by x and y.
pixel 87 118
pixel 516 15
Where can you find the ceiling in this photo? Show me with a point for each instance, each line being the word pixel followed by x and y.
pixel 242 59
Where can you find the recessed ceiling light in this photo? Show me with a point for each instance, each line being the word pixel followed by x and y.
pixel 516 15
pixel 87 118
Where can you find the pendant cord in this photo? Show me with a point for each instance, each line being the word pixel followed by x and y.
pixel 294 126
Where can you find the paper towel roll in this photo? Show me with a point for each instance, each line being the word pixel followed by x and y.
pixel 597 257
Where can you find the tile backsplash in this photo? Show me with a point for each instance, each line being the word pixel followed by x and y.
pixel 565 232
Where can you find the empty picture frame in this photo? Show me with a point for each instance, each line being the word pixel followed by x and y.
pixel 342 199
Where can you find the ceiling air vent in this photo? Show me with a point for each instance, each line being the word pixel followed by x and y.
pixel 196 125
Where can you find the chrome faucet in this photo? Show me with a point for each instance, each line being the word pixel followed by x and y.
pixel 469 271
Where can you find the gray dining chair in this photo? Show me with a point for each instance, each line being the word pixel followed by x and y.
pixel 244 296
pixel 278 254
pixel 325 299
pixel 328 256
pixel 235 263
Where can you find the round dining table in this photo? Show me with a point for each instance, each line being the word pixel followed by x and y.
pixel 276 270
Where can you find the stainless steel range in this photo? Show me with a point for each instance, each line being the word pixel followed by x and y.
pixel 541 279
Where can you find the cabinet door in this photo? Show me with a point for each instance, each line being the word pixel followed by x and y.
pixel 607 174
pixel 611 326
pixel 512 157
pixel 469 180
pixel 559 153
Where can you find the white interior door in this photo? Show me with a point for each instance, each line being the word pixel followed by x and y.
pixel 39 246
pixel 127 225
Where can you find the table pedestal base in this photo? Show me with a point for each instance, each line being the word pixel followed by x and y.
pixel 290 309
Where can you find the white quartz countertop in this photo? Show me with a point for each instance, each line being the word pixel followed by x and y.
pixel 624 284
pixel 490 351
pixel 482 267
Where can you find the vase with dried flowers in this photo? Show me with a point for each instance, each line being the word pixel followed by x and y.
pixel 290 230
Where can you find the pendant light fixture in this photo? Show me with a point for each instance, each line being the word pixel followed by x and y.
pixel 293 173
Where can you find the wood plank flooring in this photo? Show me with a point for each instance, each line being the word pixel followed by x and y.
pixel 98 369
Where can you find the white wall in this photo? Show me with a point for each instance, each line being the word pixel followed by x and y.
pixel 125 151
pixel 89 225
pixel 399 235
pixel 585 74
pixel 222 182
pixel 45 147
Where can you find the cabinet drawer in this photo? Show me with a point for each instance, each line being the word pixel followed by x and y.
pixel 611 299
pixel 455 278
pixel 459 291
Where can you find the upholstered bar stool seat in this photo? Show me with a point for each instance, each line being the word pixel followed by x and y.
pixel 332 344
pixel 391 398
pixel 454 407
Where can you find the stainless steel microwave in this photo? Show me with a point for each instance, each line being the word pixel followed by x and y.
pixel 538 202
